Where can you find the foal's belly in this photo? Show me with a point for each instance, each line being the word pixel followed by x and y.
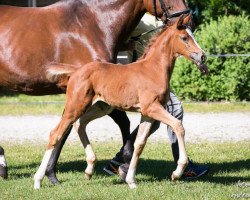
pixel 125 102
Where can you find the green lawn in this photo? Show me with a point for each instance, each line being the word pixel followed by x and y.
pixel 54 104
pixel 229 165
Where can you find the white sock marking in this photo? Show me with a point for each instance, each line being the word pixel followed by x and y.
pixel 3 161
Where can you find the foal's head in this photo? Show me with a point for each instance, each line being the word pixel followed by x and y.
pixel 184 43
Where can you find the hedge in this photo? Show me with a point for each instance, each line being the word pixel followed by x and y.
pixel 229 78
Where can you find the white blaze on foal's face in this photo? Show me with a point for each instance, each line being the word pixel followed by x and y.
pixel 192 36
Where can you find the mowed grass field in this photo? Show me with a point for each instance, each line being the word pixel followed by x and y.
pixel 54 104
pixel 229 175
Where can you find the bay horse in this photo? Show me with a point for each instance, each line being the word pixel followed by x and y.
pixel 143 86
pixel 75 32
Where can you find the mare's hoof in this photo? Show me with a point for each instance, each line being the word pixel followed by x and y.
pixel 87 176
pixel 52 178
pixel 3 172
pixel 122 174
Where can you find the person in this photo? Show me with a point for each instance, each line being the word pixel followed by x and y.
pixel 173 106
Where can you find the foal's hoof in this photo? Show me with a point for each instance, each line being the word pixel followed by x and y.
pixel 174 177
pixel 3 172
pixel 37 184
pixel 122 174
pixel 87 176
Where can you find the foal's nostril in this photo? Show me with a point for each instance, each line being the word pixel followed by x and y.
pixel 203 58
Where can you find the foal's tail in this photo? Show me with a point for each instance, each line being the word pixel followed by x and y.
pixel 57 71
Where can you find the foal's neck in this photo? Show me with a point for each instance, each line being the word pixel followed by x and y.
pixel 160 55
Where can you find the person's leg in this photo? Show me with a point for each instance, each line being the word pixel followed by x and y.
pixel 126 151
pixel 175 108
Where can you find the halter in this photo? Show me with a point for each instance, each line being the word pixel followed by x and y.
pixel 167 15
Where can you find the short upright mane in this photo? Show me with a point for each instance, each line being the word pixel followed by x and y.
pixel 152 41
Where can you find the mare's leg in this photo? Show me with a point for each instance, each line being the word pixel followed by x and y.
pixel 99 109
pixel 3 164
pixel 51 168
pixel 158 112
pixel 122 120
pixel 140 141
pixel 125 154
pixel 129 148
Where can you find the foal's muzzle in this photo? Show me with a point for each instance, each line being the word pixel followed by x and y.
pixel 200 59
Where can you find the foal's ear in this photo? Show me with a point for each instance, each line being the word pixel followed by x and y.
pixel 183 21
pixel 187 20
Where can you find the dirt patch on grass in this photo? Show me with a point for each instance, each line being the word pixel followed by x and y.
pixel 199 128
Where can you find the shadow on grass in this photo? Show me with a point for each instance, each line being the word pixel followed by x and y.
pixel 154 170
pixel 4 92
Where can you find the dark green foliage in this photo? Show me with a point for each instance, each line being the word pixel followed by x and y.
pixel 229 77
pixel 212 9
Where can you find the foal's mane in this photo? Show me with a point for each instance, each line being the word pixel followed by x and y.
pixel 152 41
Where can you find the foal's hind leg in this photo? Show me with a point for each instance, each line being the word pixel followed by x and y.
pixel 73 110
pixel 55 137
pixel 98 110
pixel 157 112
pixel 51 168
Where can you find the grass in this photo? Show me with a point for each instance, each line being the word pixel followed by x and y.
pixel 229 165
pixel 54 104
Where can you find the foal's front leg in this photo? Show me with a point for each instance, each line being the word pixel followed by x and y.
pixel 140 141
pixel 157 112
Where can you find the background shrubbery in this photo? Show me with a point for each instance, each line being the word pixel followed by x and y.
pixel 229 77
pixel 205 10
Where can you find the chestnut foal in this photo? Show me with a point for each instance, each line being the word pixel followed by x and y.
pixel 97 88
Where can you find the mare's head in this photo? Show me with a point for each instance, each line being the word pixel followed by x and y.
pixel 166 10
pixel 183 43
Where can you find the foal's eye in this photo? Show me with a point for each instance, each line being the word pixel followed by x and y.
pixel 184 38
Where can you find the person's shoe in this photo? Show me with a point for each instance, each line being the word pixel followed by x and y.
pixel 111 168
pixel 118 159
pixel 194 171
